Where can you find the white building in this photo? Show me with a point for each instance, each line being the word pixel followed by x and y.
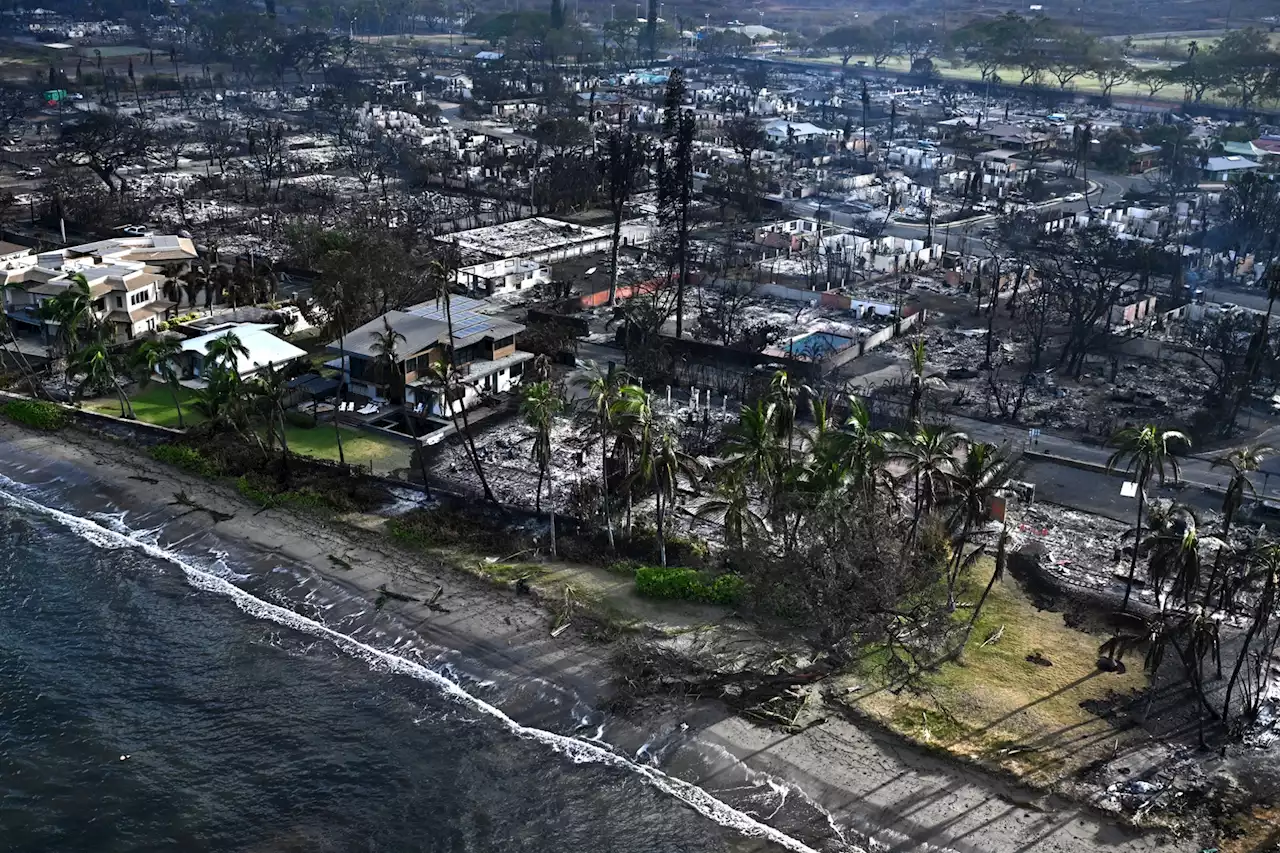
pixel 510 275
pixel 263 346
pixel 126 279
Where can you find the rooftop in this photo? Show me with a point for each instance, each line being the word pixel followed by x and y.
pixel 523 237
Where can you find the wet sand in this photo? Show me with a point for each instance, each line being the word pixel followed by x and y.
pixel 878 786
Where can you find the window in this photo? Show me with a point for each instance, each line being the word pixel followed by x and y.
pixel 119 301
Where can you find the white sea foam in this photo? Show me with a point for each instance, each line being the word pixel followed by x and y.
pixel 577 750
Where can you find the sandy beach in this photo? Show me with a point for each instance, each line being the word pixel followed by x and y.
pixel 903 798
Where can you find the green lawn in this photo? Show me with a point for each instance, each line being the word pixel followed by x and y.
pixel 153 404
pixel 359 447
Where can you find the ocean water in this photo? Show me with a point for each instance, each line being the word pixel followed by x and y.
pixel 161 692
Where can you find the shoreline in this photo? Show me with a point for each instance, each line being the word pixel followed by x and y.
pixel 902 797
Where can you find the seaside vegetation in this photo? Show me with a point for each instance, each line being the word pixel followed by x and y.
pixel 187 458
pixel 37 414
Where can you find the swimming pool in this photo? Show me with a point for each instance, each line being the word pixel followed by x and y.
pixel 817 344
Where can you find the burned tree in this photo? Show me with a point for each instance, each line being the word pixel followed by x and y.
pixel 104 143
pixel 625 169
pixel 675 185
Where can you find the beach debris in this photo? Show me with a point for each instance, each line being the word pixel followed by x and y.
pixel 340 563
pixel 1039 659
pixel 151 481
pixel 556 632
pixel 181 498
pixel 385 595
pixel 994 637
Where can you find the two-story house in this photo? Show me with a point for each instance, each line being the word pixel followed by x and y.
pixel 483 347
pixel 510 275
pixel 127 278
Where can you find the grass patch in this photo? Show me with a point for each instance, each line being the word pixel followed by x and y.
pixel 996 705
pixel 37 414
pixel 359 447
pixel 153 404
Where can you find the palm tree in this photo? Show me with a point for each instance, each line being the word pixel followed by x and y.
pixel 71 309
pixel 539 406
pixel 930 461
pixel 225 351
pixel 917 380
pixel 459 412
pixel 1265 565
pixel 603 395
pixel 1144 452
pixel 94 364
pixel 731 506
pixel 271 389
pixel 635 436
pixel 386 351
pixel 664 467
pixel 863 450
pixel 155 357
pixel 1242 462
pixel 975 481
pixel 755 451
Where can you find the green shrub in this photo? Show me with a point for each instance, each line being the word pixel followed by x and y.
pixel 37 414
pixel 187 458
pixel 672 582
pixel 681 584
pixel 250 489
pixel 725 589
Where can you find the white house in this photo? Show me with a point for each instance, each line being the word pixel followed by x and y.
pixel 510 275
pixel 782 130
pixel 263 346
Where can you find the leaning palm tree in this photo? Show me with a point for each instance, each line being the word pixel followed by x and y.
pixel 72 311
pixel 602 389
pixel 94 365
pixel 539 405
pixel 459 412
pixel 1144 452
pixel 1243 461
pixel 155 358
pixel 974 482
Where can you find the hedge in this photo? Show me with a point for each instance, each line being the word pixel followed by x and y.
pixel 36 413
pixel 683 584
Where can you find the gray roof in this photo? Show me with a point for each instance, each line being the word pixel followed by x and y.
pixel 1230 164
pixel 469 325
pixel 419 333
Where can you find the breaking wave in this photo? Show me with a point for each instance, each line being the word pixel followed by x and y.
pixel 577 750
